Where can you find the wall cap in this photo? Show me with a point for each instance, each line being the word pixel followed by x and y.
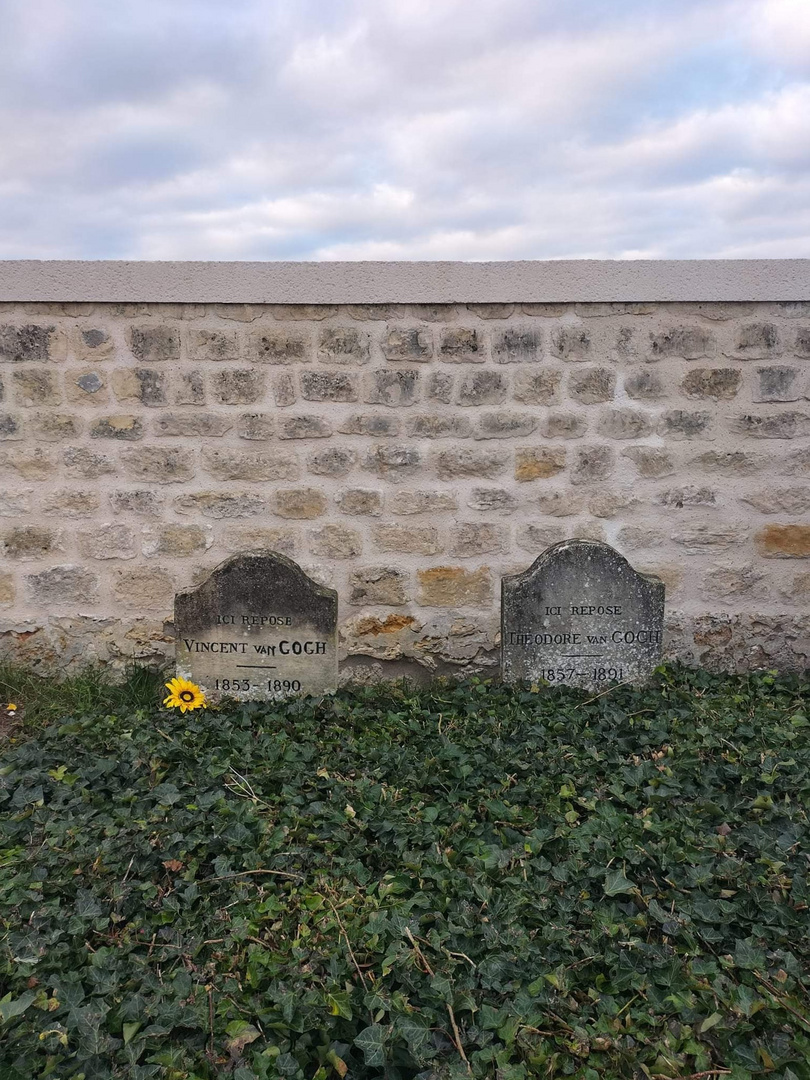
pixel 582 280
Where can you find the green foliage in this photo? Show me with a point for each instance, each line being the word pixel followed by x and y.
pixel 463 881
pixel 44 699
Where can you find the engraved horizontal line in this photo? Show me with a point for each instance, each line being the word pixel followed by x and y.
pixel 261 667
pixel 576 656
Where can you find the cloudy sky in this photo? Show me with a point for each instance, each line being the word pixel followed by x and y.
pixel 404 129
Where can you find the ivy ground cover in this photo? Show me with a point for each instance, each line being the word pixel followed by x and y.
pixel 463 881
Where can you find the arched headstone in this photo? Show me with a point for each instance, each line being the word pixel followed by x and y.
pixel 581 616
pixel 257 628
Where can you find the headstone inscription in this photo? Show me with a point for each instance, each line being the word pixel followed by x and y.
pixel 581 616
pixel 257 628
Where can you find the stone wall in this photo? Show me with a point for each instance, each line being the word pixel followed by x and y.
pixel 408 455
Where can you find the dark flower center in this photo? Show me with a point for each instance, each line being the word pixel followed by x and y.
pixel 186 695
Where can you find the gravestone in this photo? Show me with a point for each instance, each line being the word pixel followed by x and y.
pixel 581 616
pixel 257 628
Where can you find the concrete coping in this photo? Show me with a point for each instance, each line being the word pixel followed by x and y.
pixel 583 281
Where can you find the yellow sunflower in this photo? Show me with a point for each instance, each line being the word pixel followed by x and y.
pixel 184 695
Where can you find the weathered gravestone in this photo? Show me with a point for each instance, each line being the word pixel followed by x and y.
pixel 581 616
pixel 257 628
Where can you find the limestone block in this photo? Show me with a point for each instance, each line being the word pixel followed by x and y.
pixel 176 540
pixel 504 425
pixel 300 503
pixel 571 343
pixel 206 344
pixel 144 588
pixel 189 389
pixel 329 386
pixel 650 461
pixel 683 342
pixel 645 386
pixel 123 427
pixel 87 386
pixel 71 503
pixel 158 464
pixel 408 539
pixel 592 464
pixel 379 585
pixel 332 461
pixel 154 343
pixel 539 462
pixel 537 386
pixel 440 426
pixel 470 538
pixel 681 424
pixel 192 425
pixel 144 385
pixel 27 542
pixel 781 425
pixel 107 541
pixel 227 464
pixel 409 344
pixel 335 542
pixel 346 345
pixel 238 386
pixel 360 502
pixel 519 344
pixel 492 500
pixel 143 502
pixel 560 425
pixel 784 542
pixel 35 387
pixel 397 387
pixel 410 503
pixel 53 427
pixel 222 504
pixel 484 387
pixel 376 425
pixel 778 384
pixel 83 464
pixel 454 463
pixel 756 341
pixel 721 384
pixel 393 462
pixel 304 427
pixel 256 427
pixel 624 424
pixel 31 342
pixel 589 386
pixel 66 584
pixel 455 586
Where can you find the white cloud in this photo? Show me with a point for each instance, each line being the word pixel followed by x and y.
pixel 405 129
pixel 781 30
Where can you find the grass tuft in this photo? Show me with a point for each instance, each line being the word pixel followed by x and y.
pixel 43 699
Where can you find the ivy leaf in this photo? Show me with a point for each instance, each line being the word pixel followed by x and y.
pixel 616 883
pixel 748 956
pixel 241 1035
pixel 337 1063
pixel 87 906
pixel 710 1022
pixel 340 1004
pixel 443 987
pixel 287 1065
pixel 416 1034
pixel 10 1008
pixel 371 1041
pixel 130 1030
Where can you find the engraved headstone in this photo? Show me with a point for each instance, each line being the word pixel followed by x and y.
pixel 257 628
pixel 581 616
